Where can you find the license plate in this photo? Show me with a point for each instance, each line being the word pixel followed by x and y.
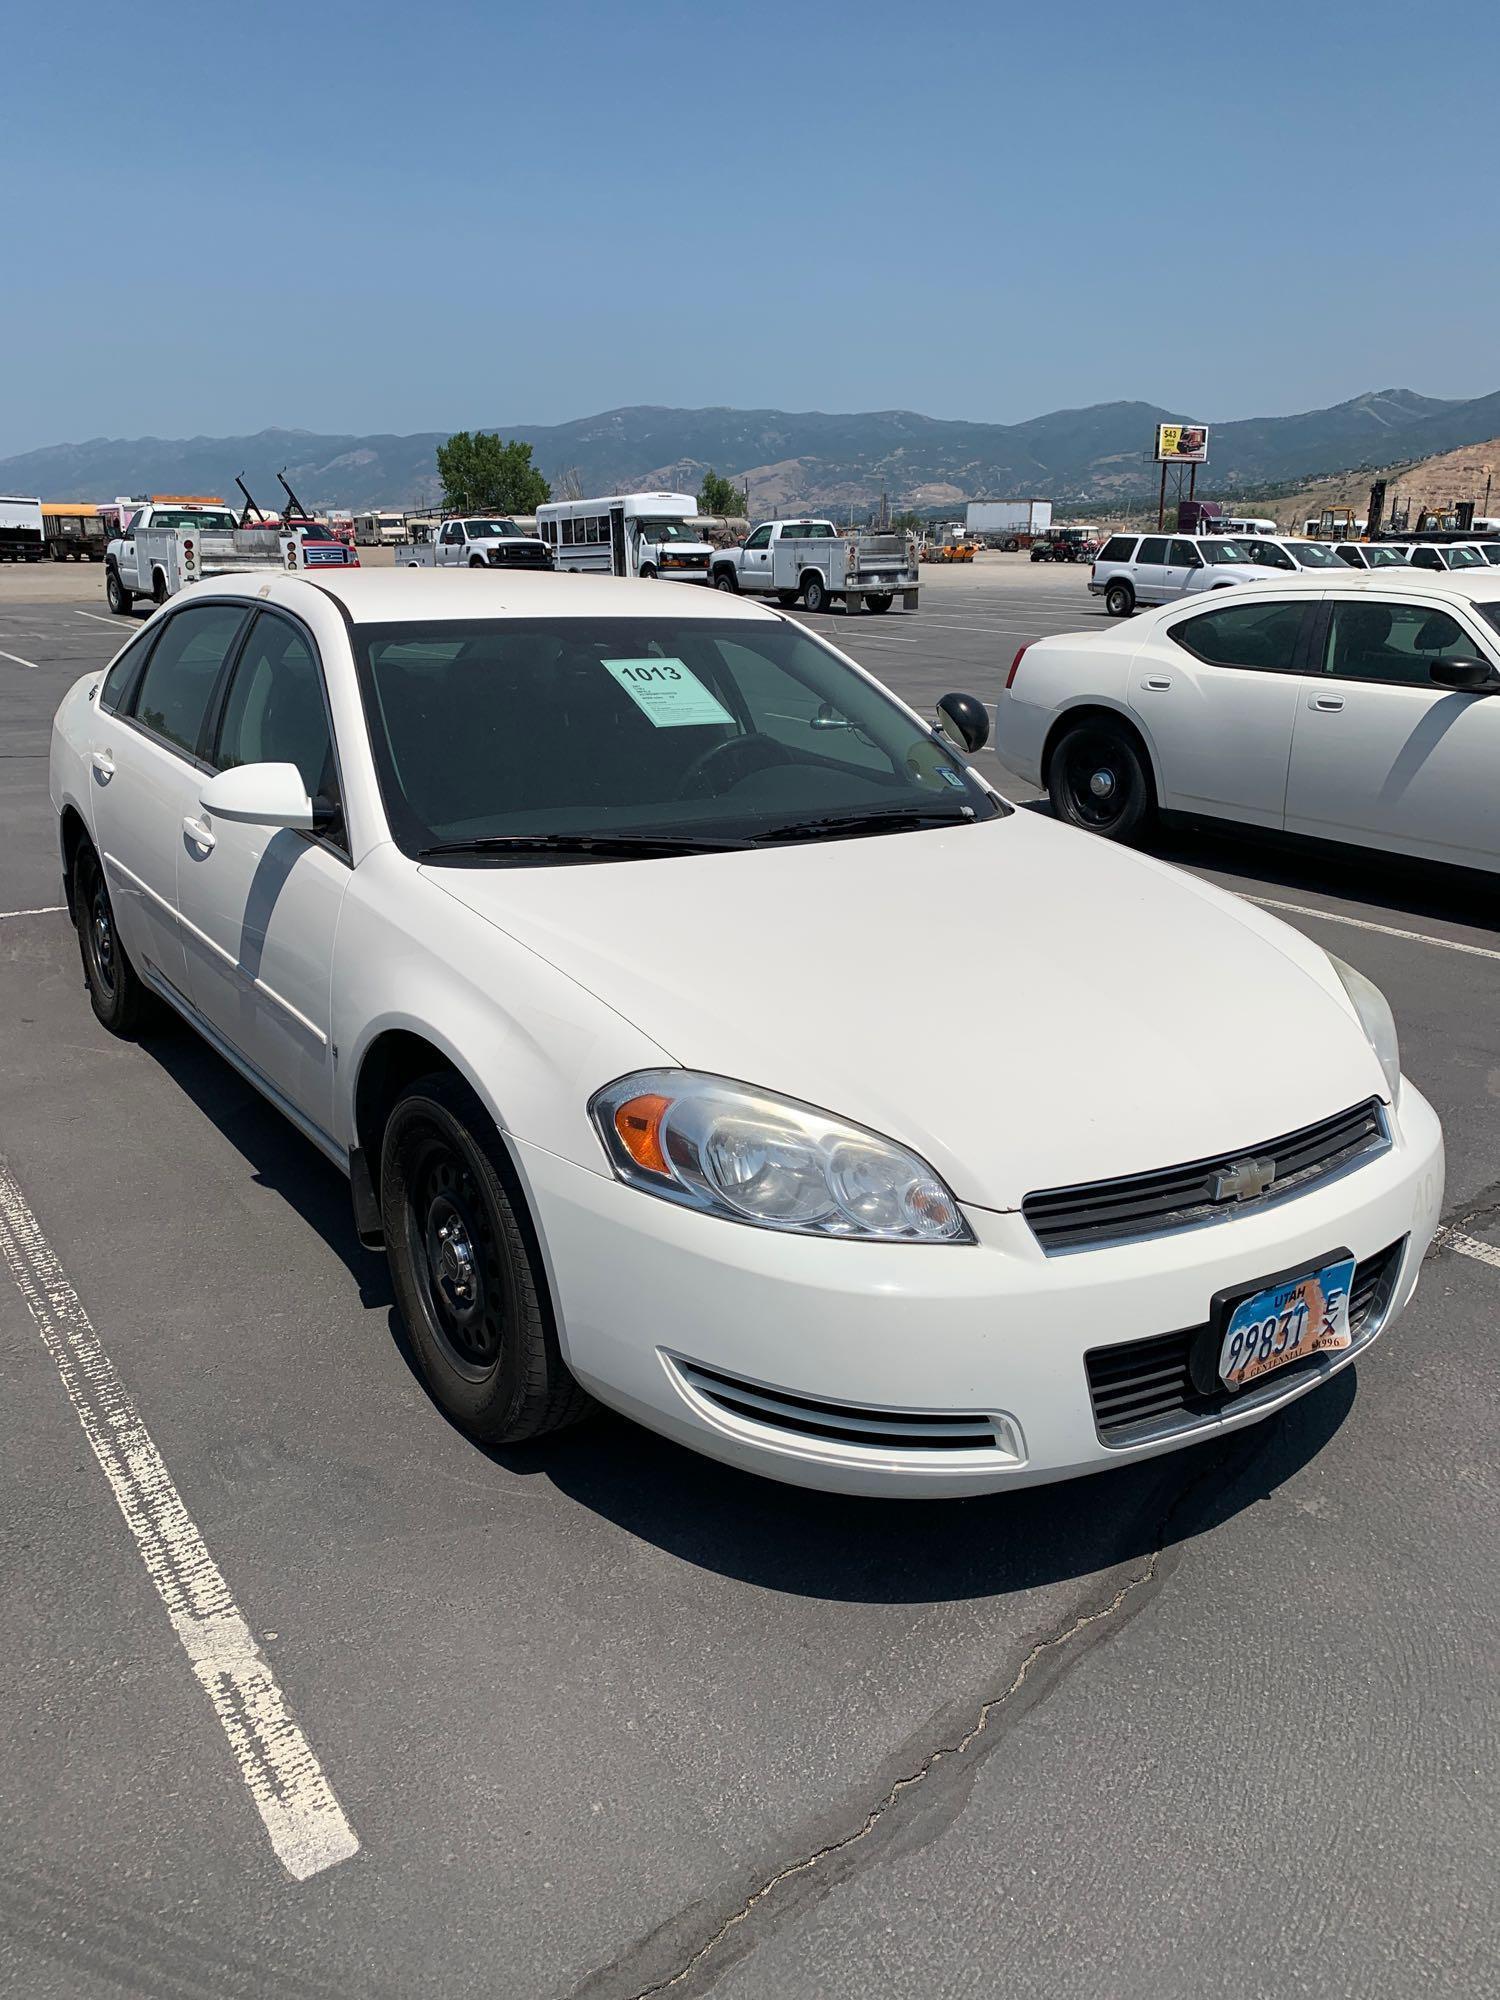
pixel 1286 1322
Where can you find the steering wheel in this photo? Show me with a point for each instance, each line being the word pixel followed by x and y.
pixel 740 755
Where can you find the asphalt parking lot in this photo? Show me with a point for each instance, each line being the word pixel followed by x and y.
pixel 607 1719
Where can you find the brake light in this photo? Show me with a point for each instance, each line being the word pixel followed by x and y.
pixel 1015 663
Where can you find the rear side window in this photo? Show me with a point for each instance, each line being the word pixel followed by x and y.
pixel 122 673
pixel 1262 636
pixel 1153 549
pixel 181 674
pixel 1119 548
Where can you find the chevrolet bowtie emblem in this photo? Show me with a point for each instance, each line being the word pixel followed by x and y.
pixel 1243 1180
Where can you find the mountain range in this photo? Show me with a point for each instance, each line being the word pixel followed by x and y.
pixel 790 460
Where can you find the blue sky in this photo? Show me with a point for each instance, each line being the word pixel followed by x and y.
pixel 376 217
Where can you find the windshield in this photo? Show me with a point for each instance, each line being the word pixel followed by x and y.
pixel 1491 612
pixel 479 529
pixel 213 518
pixel 1464 559
pixel 653 530
pixel 708 728
pixel 1220 551
pixel 1314 555
pixel 392 520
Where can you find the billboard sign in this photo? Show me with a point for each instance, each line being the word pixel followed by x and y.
pixel 1182 444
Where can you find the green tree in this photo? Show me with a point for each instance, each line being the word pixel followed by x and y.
pixel 718 495
pixel 482 474
pixel 907 523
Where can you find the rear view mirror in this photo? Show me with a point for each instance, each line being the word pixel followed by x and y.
pixel 1466 675
pixel 964 720
pixel 260 795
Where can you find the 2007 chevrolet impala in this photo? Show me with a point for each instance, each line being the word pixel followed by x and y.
pixel 701 1033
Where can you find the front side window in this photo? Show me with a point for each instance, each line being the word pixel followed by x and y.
pixel 588 728
pixel 172 699
pixel 1270 555
pixel 1186 553
pixel 275 712
pixel 761 539
pixel 1425 556
pixel 1348 553
pixel 117 680
pixel 1371 641
pixel 1262 636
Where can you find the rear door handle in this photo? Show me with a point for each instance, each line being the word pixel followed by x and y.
pixel 1330 703
pixel 103 762
pixel 1158 683
pixel 198 832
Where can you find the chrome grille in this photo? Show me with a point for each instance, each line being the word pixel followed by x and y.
pixel 1143 1388
pixel 1176 1197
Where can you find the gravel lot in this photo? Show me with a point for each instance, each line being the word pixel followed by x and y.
pixel 611 1720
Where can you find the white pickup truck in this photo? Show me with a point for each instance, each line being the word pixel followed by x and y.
pixel 812 562
pixel 161 548
pixel 475 543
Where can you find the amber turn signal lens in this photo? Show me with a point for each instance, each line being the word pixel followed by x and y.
pixel 638 1122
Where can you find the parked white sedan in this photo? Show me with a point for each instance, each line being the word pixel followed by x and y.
pixel 1353 707
pixel 643 965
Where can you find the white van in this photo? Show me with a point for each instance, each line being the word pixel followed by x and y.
pixel 627 534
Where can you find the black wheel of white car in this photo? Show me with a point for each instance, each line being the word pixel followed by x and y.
pixel 476 562
pixel 1097 779
pixel 786 599
pixel 1119 600
pixel 466 1279
pixel 880 602
pixel 648 572
pixel 158 586
pixel 116 994
pixel 116 595
pixel 814 596
pixel 725 579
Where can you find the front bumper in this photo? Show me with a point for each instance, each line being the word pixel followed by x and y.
pixel 658 1304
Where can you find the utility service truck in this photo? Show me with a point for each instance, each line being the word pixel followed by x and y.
pixel 161 548
pixel 475 542
pixel 811 562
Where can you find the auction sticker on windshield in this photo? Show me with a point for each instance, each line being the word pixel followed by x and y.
pixel 1287 1322
pixel 668 693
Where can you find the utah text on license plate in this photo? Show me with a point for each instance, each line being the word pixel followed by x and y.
pixel 1287 1322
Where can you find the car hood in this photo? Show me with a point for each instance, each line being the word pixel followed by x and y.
pixel 1024 1005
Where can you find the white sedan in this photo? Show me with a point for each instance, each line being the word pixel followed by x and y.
pixel 1350 706
pixel 643 963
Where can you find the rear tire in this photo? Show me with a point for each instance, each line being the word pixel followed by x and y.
pixel 879 602
pixel 1098 780
pixel 1119 600
pixel 467 1282
pixel 116 595
pixel 158 587
pixel 786 599
pixel 119 1000
pixel 814 596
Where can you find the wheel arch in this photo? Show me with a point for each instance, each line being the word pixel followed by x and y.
pixel 72 832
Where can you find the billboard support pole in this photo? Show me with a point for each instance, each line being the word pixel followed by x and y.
pixel 1161 504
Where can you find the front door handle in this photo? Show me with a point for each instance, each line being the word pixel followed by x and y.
pixel 103 762
pixel 199 832
pixel 1158 683
pixel 1329 703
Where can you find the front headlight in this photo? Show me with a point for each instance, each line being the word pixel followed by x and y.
pixel 751 1156
pixel 1377 1020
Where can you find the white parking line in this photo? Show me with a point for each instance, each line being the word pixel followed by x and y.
pixel 305 1822
pixel 41 910
pixel 20 662
pixel 1466 1246
pixel 98 618
pixel 1363 924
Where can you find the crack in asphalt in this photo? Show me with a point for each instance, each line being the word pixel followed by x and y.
pixel 1229 1463
pixel 1484 1208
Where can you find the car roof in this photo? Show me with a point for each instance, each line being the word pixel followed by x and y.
pixel 396 596
pixel 1445 583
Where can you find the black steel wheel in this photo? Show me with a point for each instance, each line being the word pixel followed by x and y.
pixel 1097 779
pixel 648 572
pixel 465 1269
pixel 119 1000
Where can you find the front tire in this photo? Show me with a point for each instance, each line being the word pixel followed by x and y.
pixel 648 574
pixel 814 596
pixel 466 1280
pixel 116 595
pixel 725 579
pixel 119 1000
pixel 1119 600
pixel 1098 780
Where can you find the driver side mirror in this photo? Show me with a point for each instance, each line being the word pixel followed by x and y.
pixel 964 720
pixel 1468 676
pixel 260 795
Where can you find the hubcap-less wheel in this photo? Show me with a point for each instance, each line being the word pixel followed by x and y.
pixel 813 594
pixel 1098 779
pixel 456 1260
pixel 101 936
pixel 1119 601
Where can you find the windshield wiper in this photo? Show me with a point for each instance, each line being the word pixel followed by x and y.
pixel 608 846
pixel 900 819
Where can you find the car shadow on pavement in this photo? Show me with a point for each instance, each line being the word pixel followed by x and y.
pixel 1272 861
pixel 786 1538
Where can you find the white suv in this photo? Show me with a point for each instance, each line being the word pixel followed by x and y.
pixel 1158 569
